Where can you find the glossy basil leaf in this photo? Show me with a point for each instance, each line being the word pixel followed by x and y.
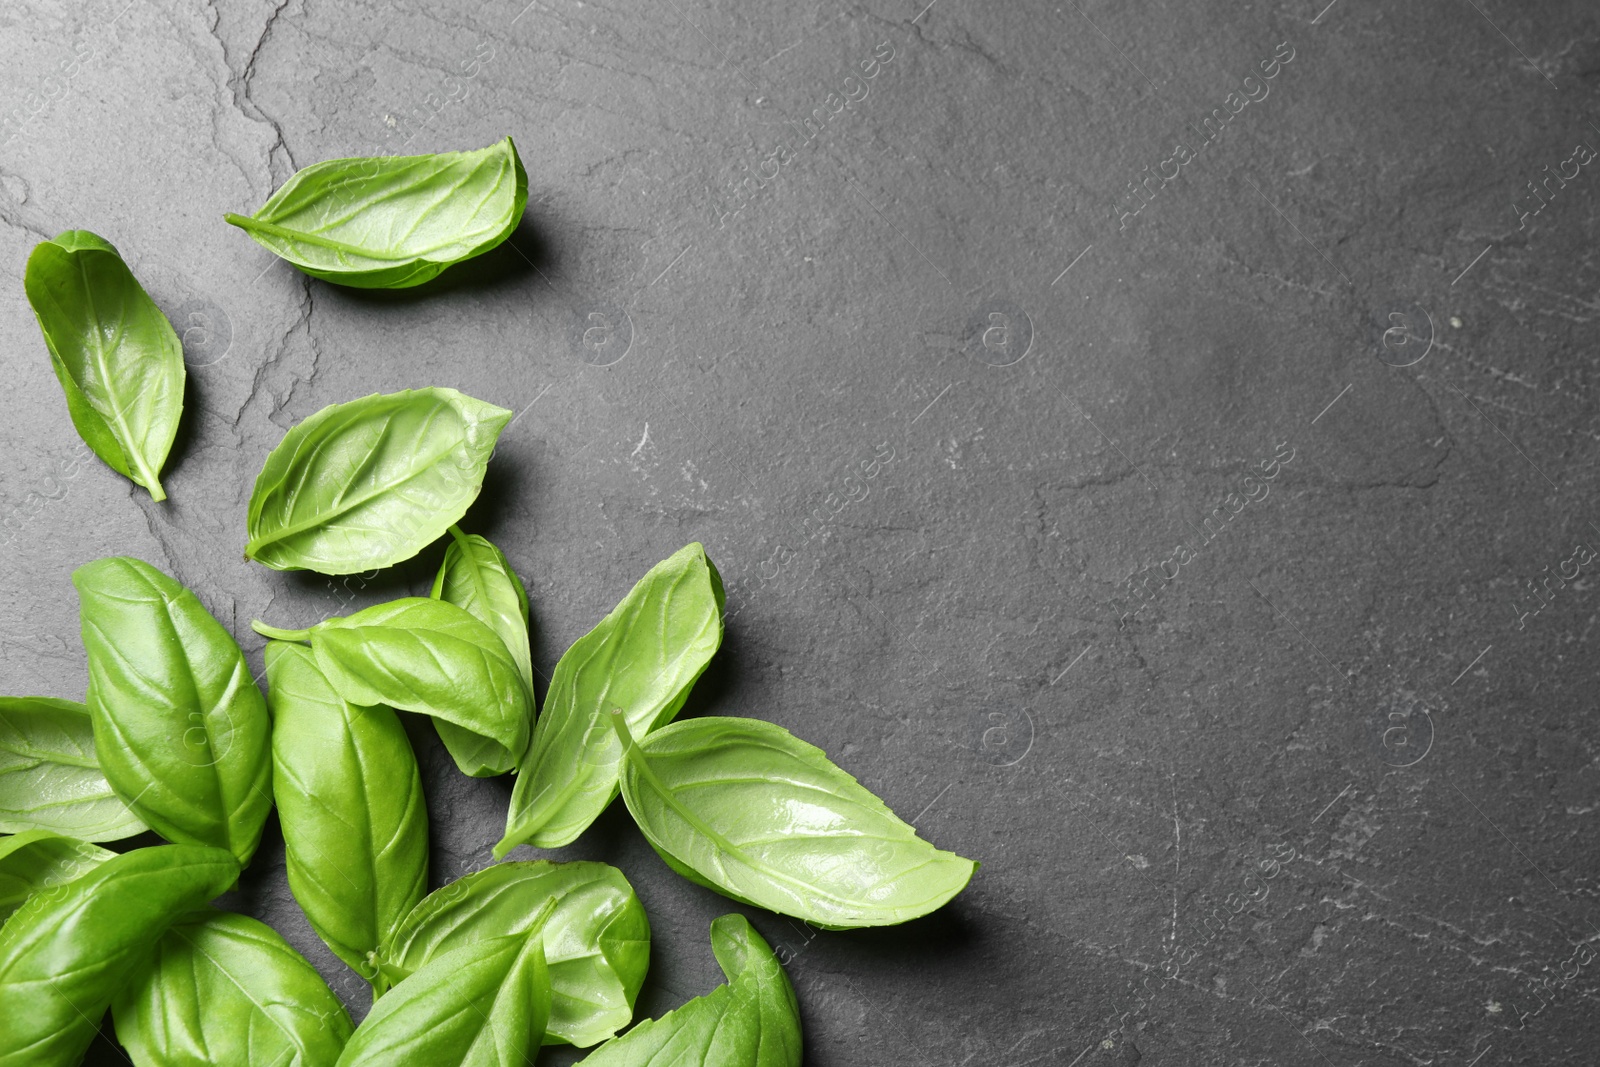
pixel 114 352
pixel 482 1005
pixel 224 988
pixel 390 222
pixel 355 828
pixel 371 482
pixel 748 809
pixel 643 658
pixel 49 776
pixel 180 728
pixel 476 577
pixel 423 655
pixel 36 860
pixel 753 1021
pixel 597 941
pixel 70 949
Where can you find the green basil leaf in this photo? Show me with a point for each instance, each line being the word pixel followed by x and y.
pixel 70 949
pixel 423 655
pixel 371 482
pixel 355 828
pixel 482 1005
pixel 114 352
pixel 49 776
pixel 643 658
pixel 753 1021
pixel 476 577
pixel 36 860
pixel 748 809
pixel 390 222
pixel 224 988
pixel 597 941
pixel 180 728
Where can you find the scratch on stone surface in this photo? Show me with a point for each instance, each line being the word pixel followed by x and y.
pixel 780 52
pixel 1177 857
pixel 1494 372
pixel 642 442
pixel 1286 283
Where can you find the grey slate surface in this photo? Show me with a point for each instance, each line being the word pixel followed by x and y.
pixel 1329 797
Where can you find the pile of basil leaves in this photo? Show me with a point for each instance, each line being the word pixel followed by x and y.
pixel 174 735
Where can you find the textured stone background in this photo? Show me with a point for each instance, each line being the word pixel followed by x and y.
pixel 1328 798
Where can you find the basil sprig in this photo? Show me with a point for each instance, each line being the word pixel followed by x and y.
pixel 390 222
pixel 114 352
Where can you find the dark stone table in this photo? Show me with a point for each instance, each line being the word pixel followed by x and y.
pixel 1142 442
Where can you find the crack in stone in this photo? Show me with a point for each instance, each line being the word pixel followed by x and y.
pixel 240 83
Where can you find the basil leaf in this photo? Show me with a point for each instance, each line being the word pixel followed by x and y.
pixel 179 726
pixel 643 658
pixel 391 222
pixel 481 1005
pixel 753 1021
pixel 748 809
pixel 114 352
pixel 476 577
pixel 424 655
pixel 49 776
pixel 37 860
pixel 355 828
pixel 224 988
pixel 371 482
pixel 597 941
pixel 69 949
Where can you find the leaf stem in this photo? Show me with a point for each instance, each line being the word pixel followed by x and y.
pixel 542 916
pixel 387 978
pixel 250 225
pixel 278 634
pixel 619 723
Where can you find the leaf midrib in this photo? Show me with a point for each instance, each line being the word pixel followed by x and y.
pixel 614 643
pixel 346 506
pixel 125 436
pixel 738 853
pixel 473 172
pixel 701 826
pixel 392 256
